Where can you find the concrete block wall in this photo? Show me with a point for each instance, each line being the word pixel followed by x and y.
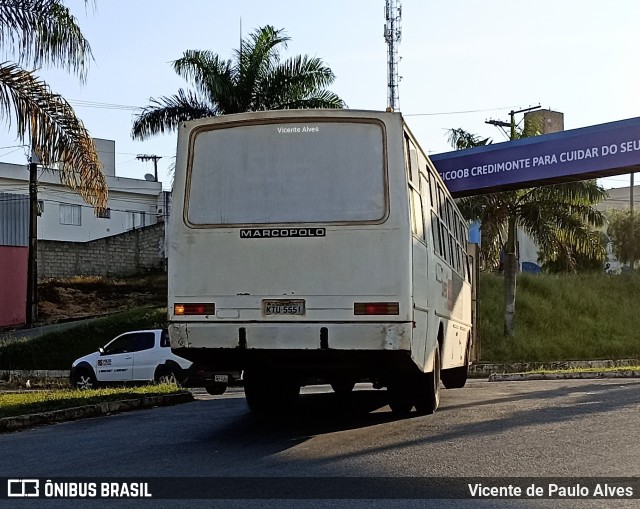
pixel 134 252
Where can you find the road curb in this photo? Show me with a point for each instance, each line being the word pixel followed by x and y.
pixel 8 424
pixel 485 369
pixel 581 375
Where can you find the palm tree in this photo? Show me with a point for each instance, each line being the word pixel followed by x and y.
pixel 255 80
pixel 560 218
pixel 44 33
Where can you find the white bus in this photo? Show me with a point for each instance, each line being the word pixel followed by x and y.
pixel 318 245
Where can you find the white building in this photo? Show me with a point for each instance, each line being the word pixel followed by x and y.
pixel 65 216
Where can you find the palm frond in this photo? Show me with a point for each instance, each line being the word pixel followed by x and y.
pixel 258 55
pixel 255 80
pixel 460 139
pixel 166 113
pixel 299 82
pixel 43 32
pixel 212 76
pixel 57 135
pixel 322 99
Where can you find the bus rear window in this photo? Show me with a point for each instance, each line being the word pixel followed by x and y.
pixel 316 172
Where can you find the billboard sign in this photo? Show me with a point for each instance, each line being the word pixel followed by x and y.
pixel 578 154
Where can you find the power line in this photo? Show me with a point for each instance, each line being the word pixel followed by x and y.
pixel 456 112
pixel 93 104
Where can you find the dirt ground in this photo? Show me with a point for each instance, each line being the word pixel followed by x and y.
pixel 61 300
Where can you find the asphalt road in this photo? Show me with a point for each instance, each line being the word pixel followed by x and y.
pixel 552 429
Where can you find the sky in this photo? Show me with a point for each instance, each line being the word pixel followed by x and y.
pixel 462 62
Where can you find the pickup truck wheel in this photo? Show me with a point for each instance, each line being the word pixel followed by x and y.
pixel 84 379
pixel 165 375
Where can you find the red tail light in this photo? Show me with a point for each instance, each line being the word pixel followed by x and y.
pixel 194 309
pixel 376 308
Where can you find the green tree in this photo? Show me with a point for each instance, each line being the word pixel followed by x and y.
pixel 568 260
pixel 37 33
pixel 559 218
pixel 625 246
pixel 256 79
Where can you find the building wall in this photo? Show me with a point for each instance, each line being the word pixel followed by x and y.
pixel 133 252
pixel 133 203
pixel 620 198
pixel 548 121
pixel 13 285
pixel 14 257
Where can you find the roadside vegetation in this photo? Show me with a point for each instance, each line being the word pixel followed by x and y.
pixel 59 349
pixel 583 370
pixel 562 219
pixel 32 402
pixel 562 317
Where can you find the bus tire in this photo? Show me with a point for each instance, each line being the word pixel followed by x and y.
pixel 343 387
pixel 400 396
pixel 216 389
pixel 456 378
pixel 269 396
pixel 427 387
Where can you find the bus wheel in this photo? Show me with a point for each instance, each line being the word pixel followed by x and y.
pixel 427 387
pixel 342 387
pixel 456 378
pixel 269 396
pixel 400 395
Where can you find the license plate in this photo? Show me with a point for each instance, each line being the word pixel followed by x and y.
pixel 221 378
pixel 283 307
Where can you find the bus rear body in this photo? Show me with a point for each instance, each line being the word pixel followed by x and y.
pixel 295 253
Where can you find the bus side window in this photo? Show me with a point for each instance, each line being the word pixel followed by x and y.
pixel 444 234
pixel 450 219
pixel 424 193
pixel 435 229
pixel 453 258
pixel 424 190
pixel 432 183
pixel 411 157
pixel 416 214
pixel 441 203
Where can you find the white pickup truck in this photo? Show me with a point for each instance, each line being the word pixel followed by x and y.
pixel 143 356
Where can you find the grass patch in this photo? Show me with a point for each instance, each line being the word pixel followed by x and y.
pixel 31 402
pixel 568 317
pixel 58 350
pixel 558 318
pixel 582 370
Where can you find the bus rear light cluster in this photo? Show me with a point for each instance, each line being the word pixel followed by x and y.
pixel 376 308
pixel 194 309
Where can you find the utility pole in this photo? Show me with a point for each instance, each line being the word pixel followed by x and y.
pixel 32 268
pixel 512 123
pixel 154 158
pixel 510 265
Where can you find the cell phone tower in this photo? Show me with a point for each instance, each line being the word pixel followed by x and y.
pixel 392 35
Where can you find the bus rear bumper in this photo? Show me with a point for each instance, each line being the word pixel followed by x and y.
pixel 287 336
